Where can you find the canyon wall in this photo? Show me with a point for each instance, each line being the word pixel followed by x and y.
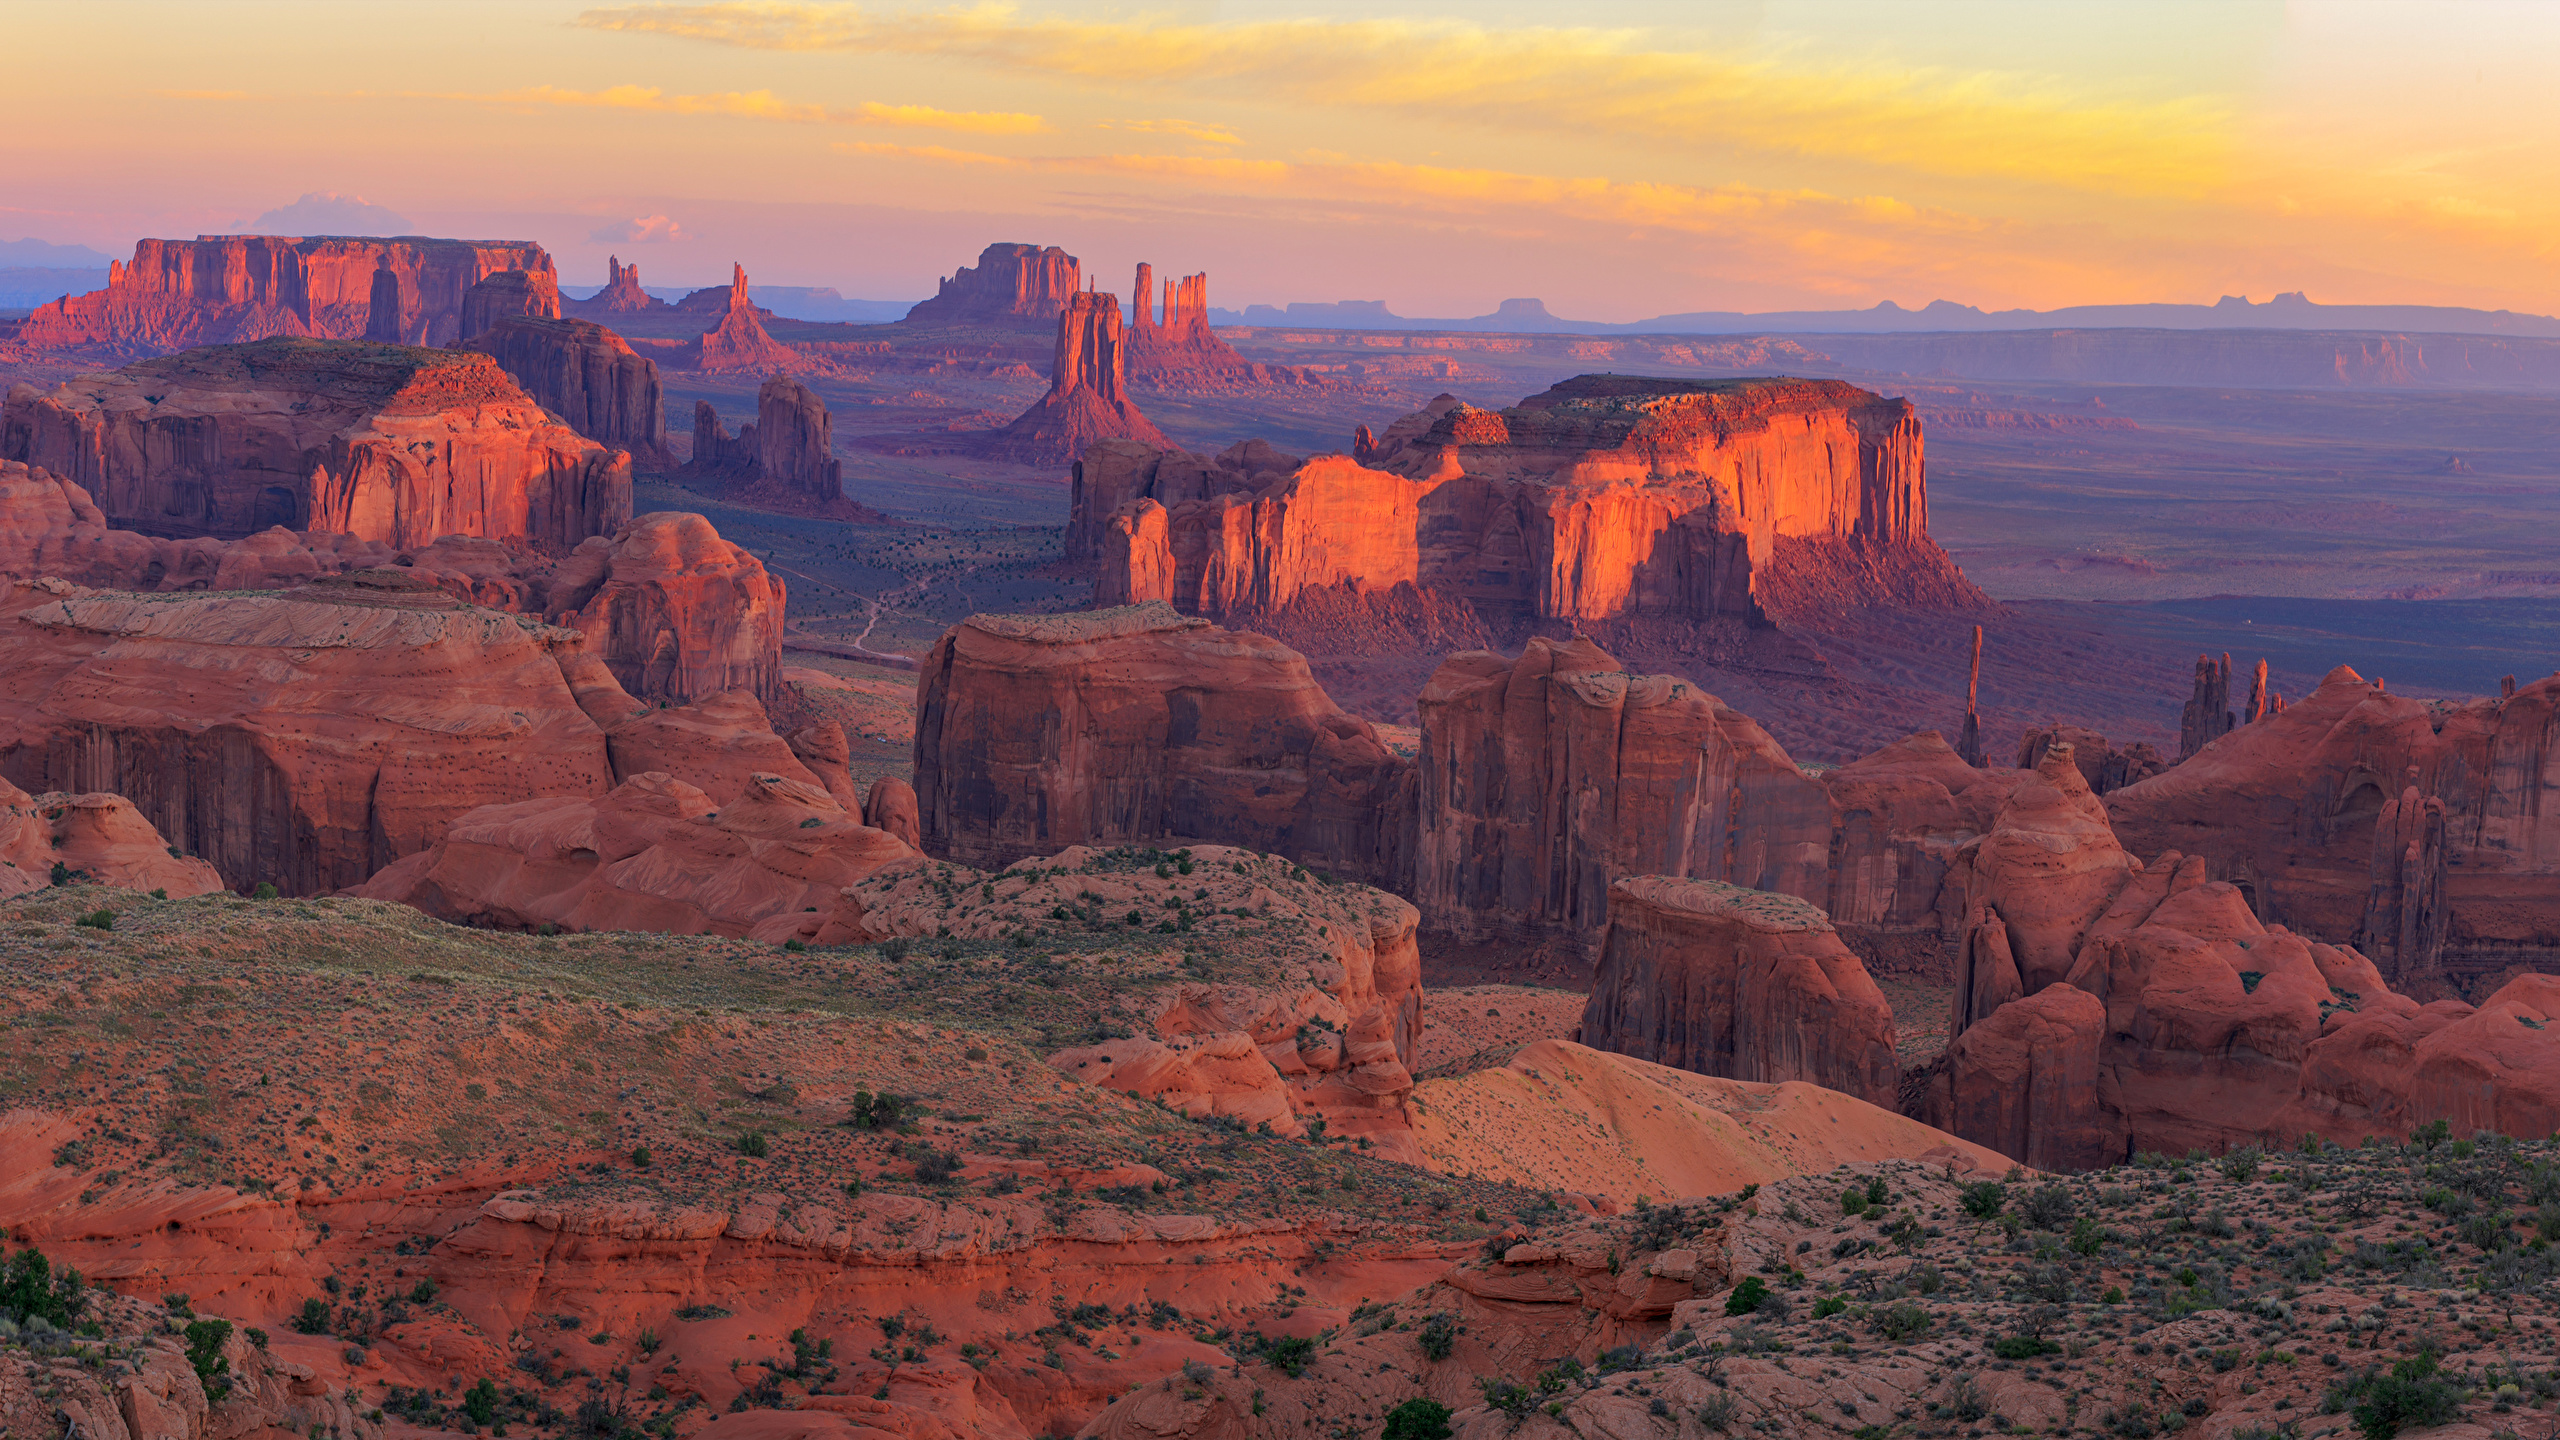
pixel 1604 497
pixel 220 289
pixel 1141 725
pixel 1011 285
pixel 504 296
pixel 393 443
pixel 586 375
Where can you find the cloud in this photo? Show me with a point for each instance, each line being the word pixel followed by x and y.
pixel 640 230
pixel 1181 129
pixel 936 154
pixel 755 105
pixel 326 212
pixel 206 95
pixel 925 117
pixel 1612 83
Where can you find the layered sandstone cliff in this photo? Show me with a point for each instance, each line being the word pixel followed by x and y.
pixel 1547 779
pixel 1088 398
pixel 673 610
pixel 1605 497
pixel 1742 983
pixel 586 375
pixel 222 289
pixel 1011 285
pixel 507 295
pixel 383 442
pixel 2413 829
pixel 1142 725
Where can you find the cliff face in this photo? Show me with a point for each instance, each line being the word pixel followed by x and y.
pixel 588 376
pixel 1740 983
pixel 1088 397
pixel 507 295
pixel 229 288
pixel 1181 352
pixel 1011 285
pixel 392 443
pixel 1605 497
pixel 1546 780
pixel 1140 725
pixel 674 611
pixel 2419 831
pixel 795 440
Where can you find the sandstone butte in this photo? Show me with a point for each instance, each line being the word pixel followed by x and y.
pixel 783 460
pixel 506 295
pixel 1180 351
pixel 1604 497
pixel 586 375
pixel 1088 397
pixel 1139 724
pixel 620 296
pixel 393 443
pixel 1015 285
pixel 1746 984
pixel 2413 829
pixel 738 341
pixel 673 610
pixel 309 737
pixel 2104 1007
pixel 225 289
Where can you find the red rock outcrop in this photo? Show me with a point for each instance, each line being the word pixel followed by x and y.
pixel 2207 716
pixel 2046 872
pixel 1743 983
pixel 2105 766
pixel 795 441
pixel 621 295
pixel 674 611
pixel 222 289
pixel 739 341
pixel 1088 396
pixel 95 840
pixel 1115 475
pixel 723 745
pixel 1900 818
pixel 1604 497
pixel 2025 1082
pixel 653 854
pixel 1139 724
pixel 305 738
pixel 1011 285
pixel 2422 832
pixel 891 806
pixel 391 443
pixel 1547 779
pixel 508 295
pixel 1181 352
pixel 586 375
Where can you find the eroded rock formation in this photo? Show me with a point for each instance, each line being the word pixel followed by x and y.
pixel 653 854
pixel 1181 352
pixel 2207 716
pixel 230 288
pixel 1011 285
pixel 676 612
pixel 588 376
pixel 621 295
pixel 1088 397
pixel 2105 766
pixel 739 341
pixel 795 441
pixel 508 295
pixel 1142 725
pixel 392 443
pixel 1547 779
pixel 1737 982
pixel 1604 497
pixel 99 839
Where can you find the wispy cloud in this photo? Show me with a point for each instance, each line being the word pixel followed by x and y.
pixel 1615 83
pixel 206 95
pixel 754 105
pixel 640 230
pixel 935 154
pixel 1179 129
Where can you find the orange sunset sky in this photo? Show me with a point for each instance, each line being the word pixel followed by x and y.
pixel 1616 160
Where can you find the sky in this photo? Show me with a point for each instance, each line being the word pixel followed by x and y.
pixel 1617 160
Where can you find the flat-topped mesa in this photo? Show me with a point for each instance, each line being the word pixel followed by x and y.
pixel 1547 779
pixel 1088 396
pixel 1013 285
pixel 621 295
pixel 394 443
pixel 588 376
pixel 508 295
pixel 218 289
pixel 1729 981
pixel 1141 725
pixel 1606 497
pixel 739 341
pixel 1182 352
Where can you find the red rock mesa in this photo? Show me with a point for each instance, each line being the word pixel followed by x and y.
pixel 1605 497
pixel 1097 728
pixel 504 296
pixel 382 442
pixel 1011 285
pixel 783 460
pixel 588 376
pixel 219 289
pixel 1088 397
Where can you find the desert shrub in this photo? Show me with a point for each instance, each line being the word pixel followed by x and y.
pixel 2241 1165
pixel 1417 1419
pixel 314 1318
pixel 936 1167
pixel 480 1402
pixel 1291 1355
pixel 265 891
pixel 204 1351
pixel 1900 1324
pixel 2049 1206
pixel 99 919
pixel 1717 1413
pixel 876 1112
pixel 2411 1397
pixel 1747 1296
pixel 1984 1199
pixel 1439 1337
pixel 754 1145
pixel 1508 1396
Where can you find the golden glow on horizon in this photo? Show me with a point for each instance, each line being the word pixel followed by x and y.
pixel 1780 154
